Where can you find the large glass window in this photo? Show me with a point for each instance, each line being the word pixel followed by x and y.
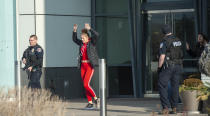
pixel 112 6
pixel 162 0
pixel 183 26
pixel 114 43
pixel 114 46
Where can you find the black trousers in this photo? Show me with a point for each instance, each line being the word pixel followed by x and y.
pixel 172 74
pixel 34 79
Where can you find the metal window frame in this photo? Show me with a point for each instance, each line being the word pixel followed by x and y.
pixel 185 4
pixel 135 21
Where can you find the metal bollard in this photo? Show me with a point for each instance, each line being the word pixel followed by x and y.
pixel 102 79
pixel 17 74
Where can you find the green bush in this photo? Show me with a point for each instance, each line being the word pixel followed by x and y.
pixel 196 84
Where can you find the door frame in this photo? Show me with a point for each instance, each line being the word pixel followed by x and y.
pixel 171 13
pixel 135 17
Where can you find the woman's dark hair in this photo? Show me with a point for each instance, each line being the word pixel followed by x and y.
pixel 204 36
pixel 85 31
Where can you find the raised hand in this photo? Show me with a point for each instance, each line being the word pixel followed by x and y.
pixel 75 27
pixel 87 26
pixel 30 68
pixel 187 46
pixel 24 61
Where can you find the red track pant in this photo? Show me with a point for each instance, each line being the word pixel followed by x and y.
pixel 86 74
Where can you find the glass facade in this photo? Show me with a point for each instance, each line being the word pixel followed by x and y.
pixel 183 26
pixel 111 6
pixel 114 44
pixel 114 40
pixel 162 0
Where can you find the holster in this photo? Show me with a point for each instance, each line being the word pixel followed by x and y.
pixel 28 73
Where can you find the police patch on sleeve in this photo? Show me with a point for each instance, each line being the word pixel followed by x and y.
pixel 161 45
pixel 39 50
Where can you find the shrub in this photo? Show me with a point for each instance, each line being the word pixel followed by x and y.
pixel 195 84
pixel 33 102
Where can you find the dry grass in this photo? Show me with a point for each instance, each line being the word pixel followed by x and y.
pixel 32 103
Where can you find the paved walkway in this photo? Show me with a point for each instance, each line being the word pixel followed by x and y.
pixel 120 107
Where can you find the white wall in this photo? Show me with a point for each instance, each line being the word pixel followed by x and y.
pixel 60 51
pixel 53 25
pixel 7 44
pixel 68 7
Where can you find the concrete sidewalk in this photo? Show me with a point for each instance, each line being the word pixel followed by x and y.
pixel 120 107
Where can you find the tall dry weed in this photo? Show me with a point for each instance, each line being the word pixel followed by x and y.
pixel 37 102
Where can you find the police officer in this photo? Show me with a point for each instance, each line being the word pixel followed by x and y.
pixel 169 69
pixel 33 60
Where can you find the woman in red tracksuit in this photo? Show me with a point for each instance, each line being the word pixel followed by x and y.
pixel 87 60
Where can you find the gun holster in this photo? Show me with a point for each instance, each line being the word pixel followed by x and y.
pixel 165 65
pixel 28 73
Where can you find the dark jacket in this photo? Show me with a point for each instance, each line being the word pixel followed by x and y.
pixel 91 48
pixel 196 52
pixel 34 57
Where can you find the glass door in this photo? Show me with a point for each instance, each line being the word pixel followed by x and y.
pixel 183 26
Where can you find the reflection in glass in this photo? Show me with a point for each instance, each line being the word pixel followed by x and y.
pixel 112 6
pixel 162 0
pixel 183 26
pixel 114 42
pixel 114 46
pixel 185 29
pixel 154 37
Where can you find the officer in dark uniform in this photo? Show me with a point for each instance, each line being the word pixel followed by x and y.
pixel 169 69
pixel 33 60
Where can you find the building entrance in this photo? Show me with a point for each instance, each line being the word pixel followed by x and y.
pixel 183 25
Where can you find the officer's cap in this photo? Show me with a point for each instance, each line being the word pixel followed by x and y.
pixel 166 29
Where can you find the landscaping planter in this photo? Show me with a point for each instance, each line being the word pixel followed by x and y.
pixel 190 104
